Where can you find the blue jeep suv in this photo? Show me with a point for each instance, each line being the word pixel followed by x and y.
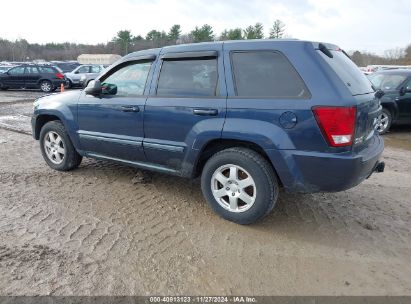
pixel 248 117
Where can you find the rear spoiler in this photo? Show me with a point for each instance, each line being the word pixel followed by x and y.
pixel 327 47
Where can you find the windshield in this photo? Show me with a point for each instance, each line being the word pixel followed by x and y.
pixel 386 82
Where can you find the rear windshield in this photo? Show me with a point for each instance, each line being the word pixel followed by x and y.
pixel 349 73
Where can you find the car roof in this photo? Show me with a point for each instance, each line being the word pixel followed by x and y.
pixel 247 42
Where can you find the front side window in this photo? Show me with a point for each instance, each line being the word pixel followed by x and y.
pixel 188 77
pixel 386 82
pixel 266 74
pixel 95 69
pixel 17 71
pixel 83 70
pixel 128 80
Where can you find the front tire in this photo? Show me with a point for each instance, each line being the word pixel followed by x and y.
pixel 384 121
pixel 239 185
pixel 56 147
pixel 2 87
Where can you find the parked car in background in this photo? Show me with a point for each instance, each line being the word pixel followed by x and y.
pixel 74 76
pixel 31 76
pixel 396 102
pixel 246 116
pixel 66 66
pixel 86 78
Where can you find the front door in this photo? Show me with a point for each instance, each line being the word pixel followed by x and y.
pixel 404 103
pixel 111 125
pixel 15 77
pixel 186 106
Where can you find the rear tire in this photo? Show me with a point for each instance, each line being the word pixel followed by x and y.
pixel 239 185
pixel 46 86
pixel 56 147
pixel 384 121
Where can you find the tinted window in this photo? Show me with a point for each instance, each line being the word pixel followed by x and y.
pixel 129 80
pixel 46 70
pixel 386 82
pixel 17 71
pixel 348 72
pixel 95 69
pixel 193 77
pixel 266 74
pixel 31 70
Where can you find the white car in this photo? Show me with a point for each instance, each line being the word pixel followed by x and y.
pixel 74 76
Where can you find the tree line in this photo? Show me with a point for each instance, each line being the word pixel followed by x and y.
pixel 125 42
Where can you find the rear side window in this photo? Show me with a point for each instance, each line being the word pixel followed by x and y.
pixel 46 70
pixel 266 74
pixel 348 72
pixel 188 77
pixel 31 70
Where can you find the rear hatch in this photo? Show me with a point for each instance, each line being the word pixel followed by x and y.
pixel 368 107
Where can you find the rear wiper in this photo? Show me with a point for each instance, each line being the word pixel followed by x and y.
pixel 324 49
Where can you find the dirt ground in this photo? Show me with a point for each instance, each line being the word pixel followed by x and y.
pixel 98 230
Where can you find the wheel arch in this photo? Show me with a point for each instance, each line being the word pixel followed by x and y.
pixel 41 120
pixel 392 107
pixel 216 145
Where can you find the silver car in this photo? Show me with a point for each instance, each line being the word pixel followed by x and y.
pixel 92 70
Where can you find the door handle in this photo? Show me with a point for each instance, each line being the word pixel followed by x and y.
pixel 205 112
pixel 130 108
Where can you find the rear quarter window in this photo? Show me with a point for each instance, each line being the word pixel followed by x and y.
pixel 348 72
pixel 266 74
pixel 46 70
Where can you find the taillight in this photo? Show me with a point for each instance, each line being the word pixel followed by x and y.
pixel 337 124
pixel 59 76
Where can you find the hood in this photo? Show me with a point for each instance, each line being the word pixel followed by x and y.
pixel 56 99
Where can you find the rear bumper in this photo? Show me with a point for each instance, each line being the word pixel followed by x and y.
pixel 58 82
pixel 308 172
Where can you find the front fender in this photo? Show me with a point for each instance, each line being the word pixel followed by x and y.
pixel 389 103
pixel 64 107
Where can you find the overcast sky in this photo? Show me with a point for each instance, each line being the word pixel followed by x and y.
pixel 373 25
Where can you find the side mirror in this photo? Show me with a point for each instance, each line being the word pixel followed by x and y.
pixel 379 94
pixel 405 90
pixel 93 88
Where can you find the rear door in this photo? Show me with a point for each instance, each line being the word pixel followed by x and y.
pixel 32 76
pixel 404 102
pixel 187 104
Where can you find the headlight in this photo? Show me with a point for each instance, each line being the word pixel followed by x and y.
pixel 35 105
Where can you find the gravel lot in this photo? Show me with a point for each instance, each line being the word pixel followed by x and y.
pixel 104 230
